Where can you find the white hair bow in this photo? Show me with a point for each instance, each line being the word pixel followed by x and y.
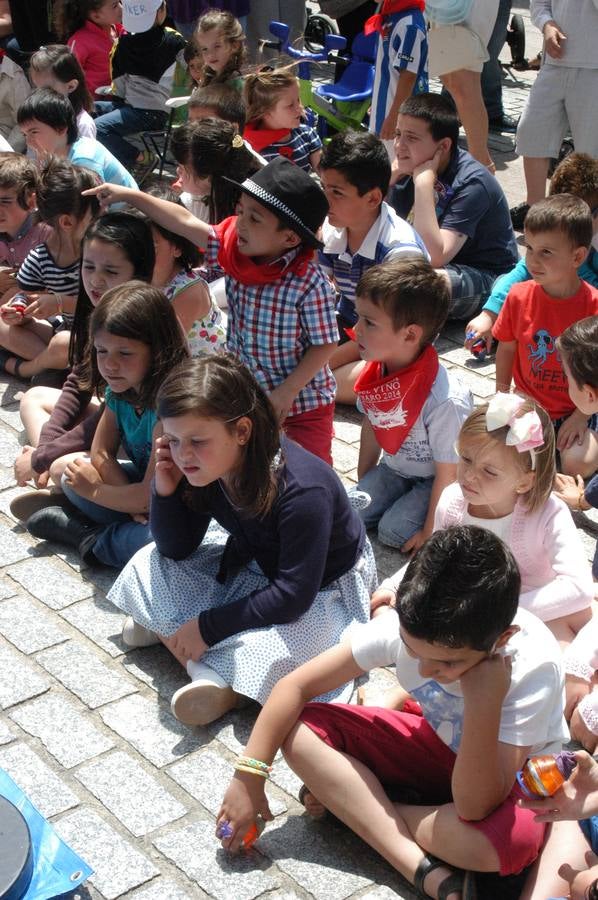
pixel 525 432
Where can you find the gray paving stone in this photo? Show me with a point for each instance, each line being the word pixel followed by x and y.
pixel 118 866
pixel 12 546
pixel 83 674
pixel 478 385
pixel 130 793
pixel 27 626
pixel 65 733
pixel 196 851
pixel 383 892
pixel 459 356
pixel 7 478
pixel 285 778
pixel 6 735
pixel 343 456
pixel 100 620
pixel 349 432
pixel 20 679
pixel 151 729
pixel 10 446
pixel 161 889
pixel 7 588
pixel 191 773
pixel 7 496
pixel 157 668
pixel 11 416
pixel 46 790
pixel 326 862
pixel 234 728
pixel 9 389
pixel 53 584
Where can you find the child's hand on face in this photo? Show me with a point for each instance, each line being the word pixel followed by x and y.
pixel 428 169
pixel 244 800
pixel 167 474
pixel 569 488
pixel 572 430
pixel 488 680
pixel 83 478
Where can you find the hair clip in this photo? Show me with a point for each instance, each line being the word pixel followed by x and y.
pixel 237 142
pixel 525 432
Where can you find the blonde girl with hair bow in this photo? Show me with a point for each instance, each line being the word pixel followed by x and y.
pixel 505 476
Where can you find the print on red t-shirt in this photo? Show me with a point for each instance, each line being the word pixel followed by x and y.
pixel 535 320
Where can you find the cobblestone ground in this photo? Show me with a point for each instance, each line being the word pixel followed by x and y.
pixel 86 728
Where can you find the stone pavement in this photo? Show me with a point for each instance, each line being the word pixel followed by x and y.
pixel 86 728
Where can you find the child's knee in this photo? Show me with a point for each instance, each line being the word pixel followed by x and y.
pixel 395 528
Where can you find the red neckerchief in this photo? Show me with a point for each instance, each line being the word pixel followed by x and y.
pixel 243 269
pixel 392 403
pixel 375 23
pixel 263 137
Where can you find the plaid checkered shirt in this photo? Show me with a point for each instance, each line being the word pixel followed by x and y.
pixel 272 326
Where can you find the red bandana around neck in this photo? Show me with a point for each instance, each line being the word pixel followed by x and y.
pixel 392 403
pixel 375 23
pixel 243 269
pixel 259 138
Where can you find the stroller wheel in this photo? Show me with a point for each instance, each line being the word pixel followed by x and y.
pixel 516 38
pixel 317 29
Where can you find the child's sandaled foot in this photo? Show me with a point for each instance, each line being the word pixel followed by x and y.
pixel 456 885
pixel 313 807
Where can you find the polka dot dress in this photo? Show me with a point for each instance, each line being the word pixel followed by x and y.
pixel 162 594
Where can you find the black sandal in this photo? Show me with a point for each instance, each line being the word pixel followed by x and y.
pixel 5 355
pixel 458 880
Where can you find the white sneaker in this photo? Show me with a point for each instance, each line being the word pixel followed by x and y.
pixel 205 699
pixel 136 635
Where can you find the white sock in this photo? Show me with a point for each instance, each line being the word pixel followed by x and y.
pixel 199 670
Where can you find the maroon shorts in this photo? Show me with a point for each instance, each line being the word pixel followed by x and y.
pixel 313 430
pixel 414 765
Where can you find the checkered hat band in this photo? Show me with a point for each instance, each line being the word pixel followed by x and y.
pixel 271 200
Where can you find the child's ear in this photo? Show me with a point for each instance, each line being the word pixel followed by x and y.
pixel 244 427
pixel 591 393
pixel 72 85
pixel 375 197
pixel 292 239
pixel 506 636
pixel 413 333
pixel 30 200
pixel 579 255
pixel 65 222
pixel 524 484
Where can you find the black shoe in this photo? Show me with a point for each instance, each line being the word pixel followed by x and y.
pixel 506 124
pixel 66 526
pixel 518 214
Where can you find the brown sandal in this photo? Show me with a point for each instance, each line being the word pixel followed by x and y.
pixel 458 880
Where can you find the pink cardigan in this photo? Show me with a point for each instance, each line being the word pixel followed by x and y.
pixel 92 46
pixel 556 579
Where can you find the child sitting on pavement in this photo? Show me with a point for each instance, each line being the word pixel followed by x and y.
pixel 558 234
pixel 455 204
pixel 281 321
pixel 485 686
pixel 413 407
pixel 577 174
pixel 360 230
pixel 19 232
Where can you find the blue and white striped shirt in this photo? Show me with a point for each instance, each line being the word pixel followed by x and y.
pixel 402 46
pixel 388 237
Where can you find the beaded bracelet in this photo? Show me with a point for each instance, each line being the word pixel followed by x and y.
pixel 254 763
pixel 251 770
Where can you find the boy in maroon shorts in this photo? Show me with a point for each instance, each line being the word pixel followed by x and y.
pixel 485 686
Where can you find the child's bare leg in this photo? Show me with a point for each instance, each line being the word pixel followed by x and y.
pixel 565 844
pixel 53 356
pixel 399 833
pixel 581 459
pixel 37 405
pixel 566 627
pixel 26 341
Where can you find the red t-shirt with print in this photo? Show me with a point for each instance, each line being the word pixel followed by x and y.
pixel 535 320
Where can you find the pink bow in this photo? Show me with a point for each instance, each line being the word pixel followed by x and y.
pixel 525 432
